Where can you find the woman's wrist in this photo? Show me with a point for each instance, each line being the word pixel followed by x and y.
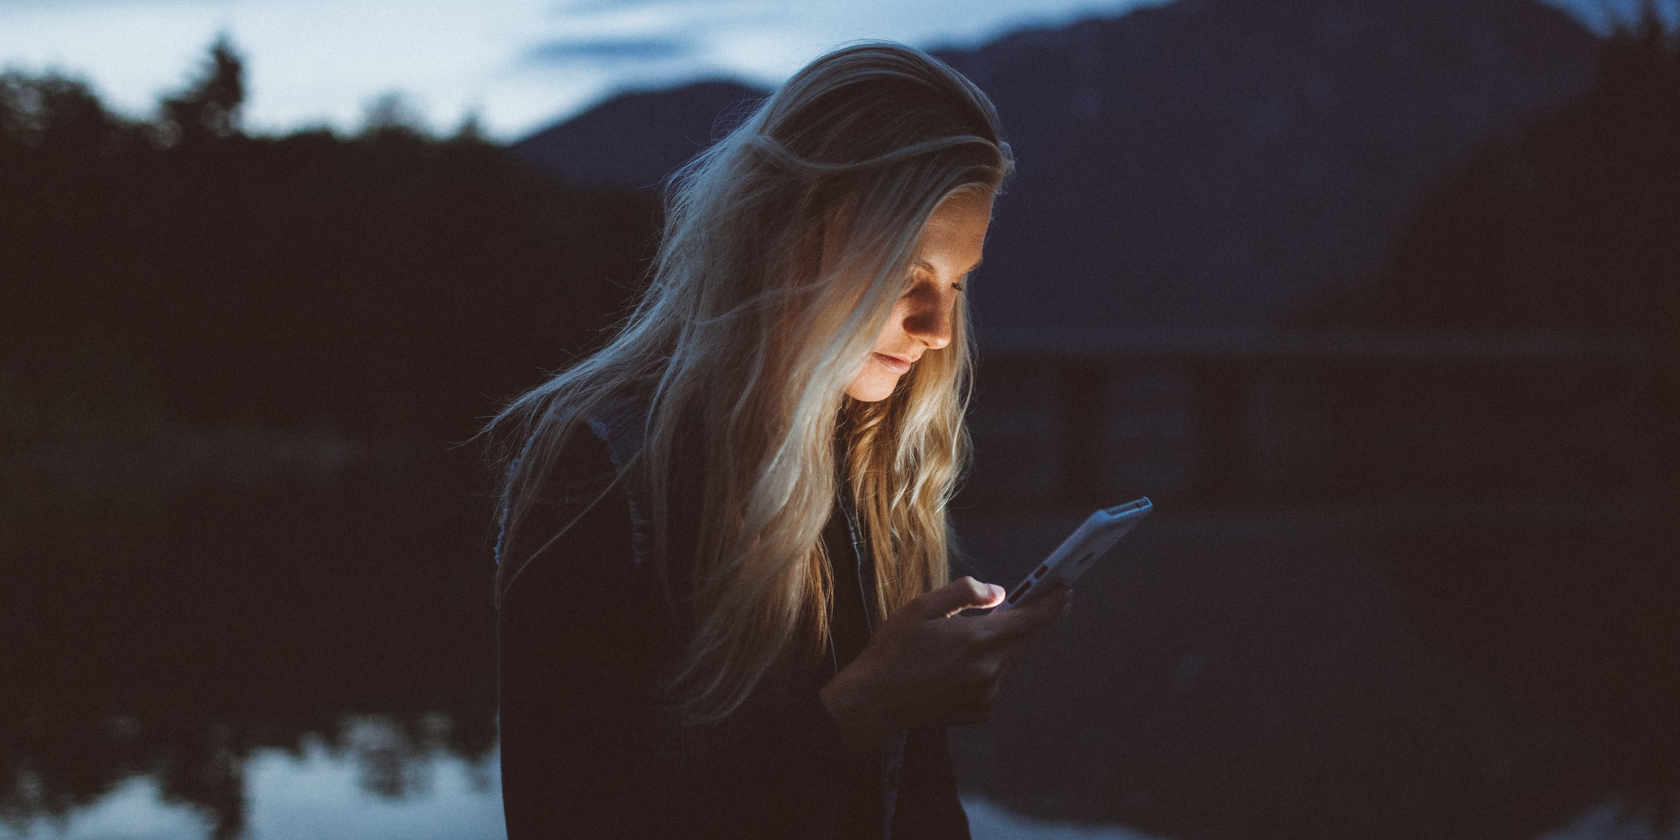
pixel 859 724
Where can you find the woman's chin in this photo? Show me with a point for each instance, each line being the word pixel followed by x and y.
pixel 872 388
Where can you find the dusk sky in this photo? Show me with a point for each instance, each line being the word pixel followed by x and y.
pixel 517 64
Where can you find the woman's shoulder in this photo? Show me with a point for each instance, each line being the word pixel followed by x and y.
pixel 594 458
pixel 582 506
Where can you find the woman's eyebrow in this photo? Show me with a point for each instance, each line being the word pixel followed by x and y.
pixel 921 263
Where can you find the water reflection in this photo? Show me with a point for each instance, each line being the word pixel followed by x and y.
pixel 369 775
pixel 379 782
pixel 313 656
pixel 135 808
pixel 379 776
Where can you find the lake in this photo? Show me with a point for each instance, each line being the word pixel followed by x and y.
pixel 294 657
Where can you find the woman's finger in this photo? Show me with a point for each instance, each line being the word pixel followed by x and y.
pixel 1001 628
pixel 961 594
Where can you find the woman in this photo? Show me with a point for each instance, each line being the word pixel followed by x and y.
pixel 704 523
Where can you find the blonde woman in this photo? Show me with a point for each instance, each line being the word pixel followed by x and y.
pixel 723 562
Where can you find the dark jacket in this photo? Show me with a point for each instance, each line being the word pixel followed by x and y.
pixel 587 751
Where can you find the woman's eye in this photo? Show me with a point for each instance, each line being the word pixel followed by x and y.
pixel 918 277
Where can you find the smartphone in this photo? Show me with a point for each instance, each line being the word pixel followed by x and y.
pixel 1092 539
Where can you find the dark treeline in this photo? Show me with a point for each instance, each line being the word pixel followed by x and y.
pixel 1559 233
pixel 234 374
pixel 304 279
pixel 1566 224
pixel 193 313
pixel 1566 229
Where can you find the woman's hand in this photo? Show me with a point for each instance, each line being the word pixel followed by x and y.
pixel 926 665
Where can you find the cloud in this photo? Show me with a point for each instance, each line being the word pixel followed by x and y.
pixel 607 50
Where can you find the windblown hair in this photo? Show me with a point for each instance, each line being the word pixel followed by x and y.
pixel 784 248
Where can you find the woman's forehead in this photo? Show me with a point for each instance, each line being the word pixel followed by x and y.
pixel 955 234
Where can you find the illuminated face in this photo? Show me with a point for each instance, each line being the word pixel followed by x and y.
pixel 921 320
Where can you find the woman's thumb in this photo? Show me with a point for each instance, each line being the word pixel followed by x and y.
pixel 964 593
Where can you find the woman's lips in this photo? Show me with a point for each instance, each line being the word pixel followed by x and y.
pixel 892 363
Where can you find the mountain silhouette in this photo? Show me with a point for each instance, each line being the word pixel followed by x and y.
pixel 636 139
pixel 1567 224
pixel 1208 163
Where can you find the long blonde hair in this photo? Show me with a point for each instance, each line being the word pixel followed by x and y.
pixel 785 246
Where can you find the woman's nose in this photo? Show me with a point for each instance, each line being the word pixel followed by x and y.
pixel 929 321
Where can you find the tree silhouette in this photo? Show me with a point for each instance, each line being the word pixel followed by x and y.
pixel 51 110
pixel 392 111
pixel 209 107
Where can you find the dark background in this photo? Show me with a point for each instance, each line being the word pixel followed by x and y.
pixel 1377 301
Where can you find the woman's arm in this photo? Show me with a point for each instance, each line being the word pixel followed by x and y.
pixel 928 804
pixel 587 751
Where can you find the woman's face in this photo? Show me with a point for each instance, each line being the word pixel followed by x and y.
pixel 921 320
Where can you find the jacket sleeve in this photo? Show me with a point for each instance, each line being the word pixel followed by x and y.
pixel 928 805
pixel 587 749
